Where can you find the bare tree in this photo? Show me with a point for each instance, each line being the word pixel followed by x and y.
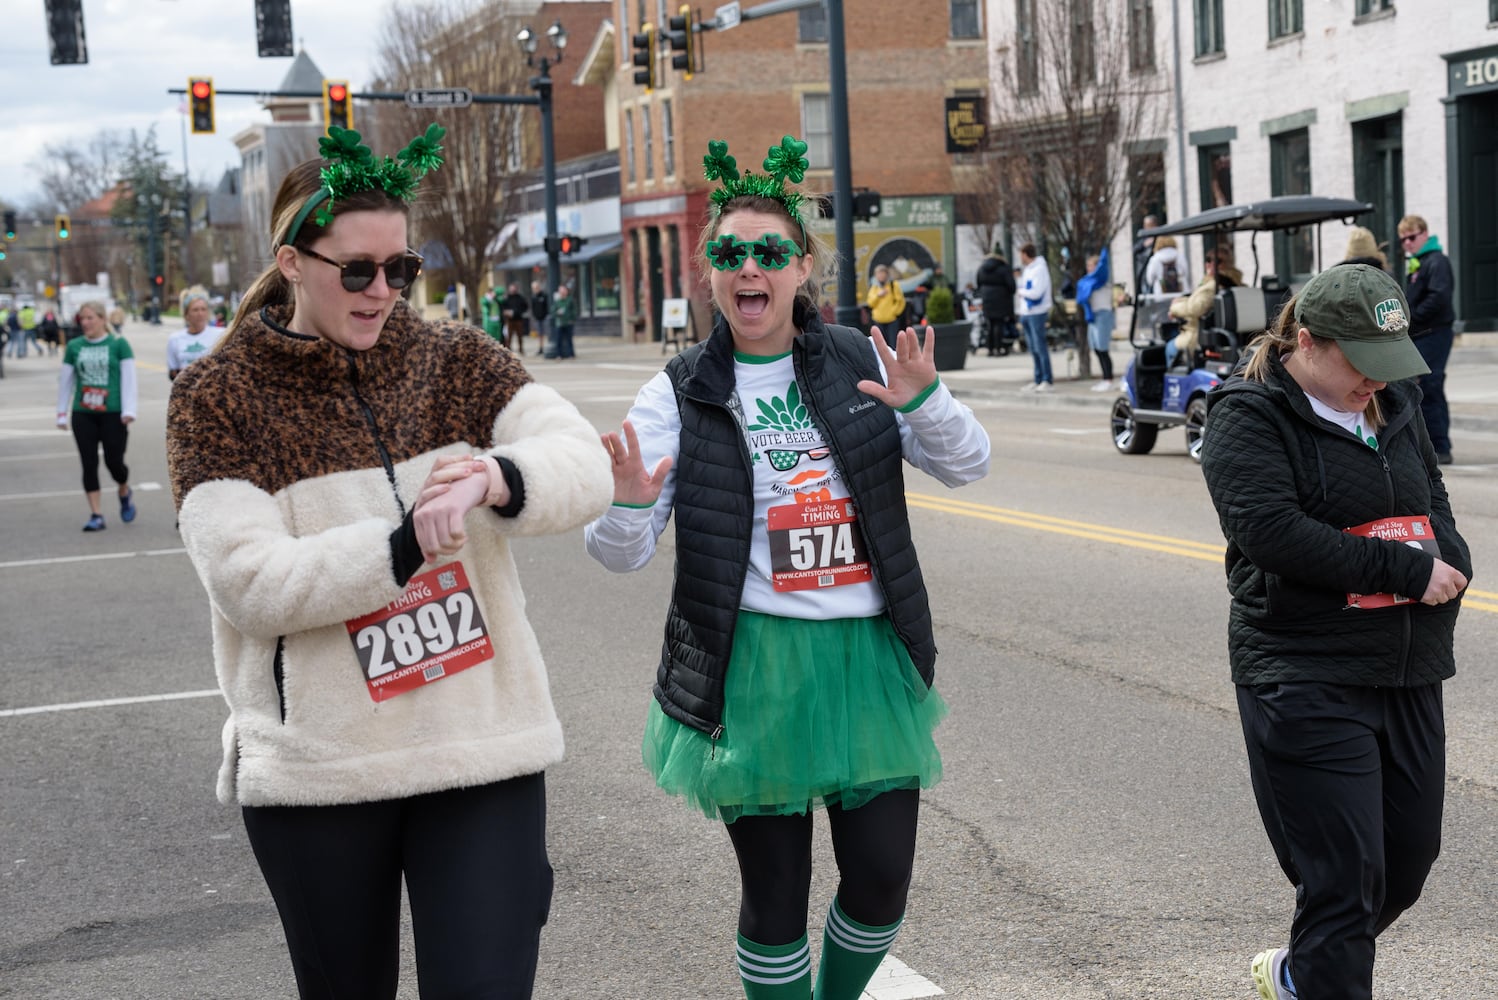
pixel 458 43
pixel 1065 113
pixel 74 173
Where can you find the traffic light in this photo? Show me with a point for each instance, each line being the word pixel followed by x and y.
pixel 158 281
pixel 337 108
pixel 200 104
pixel 273 28
pixel 683 42
pixel 644 44
pixel 564 244
pixel 65 31
pixel 64 227
pixel 10 224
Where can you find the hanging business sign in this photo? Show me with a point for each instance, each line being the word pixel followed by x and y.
pixel 967 124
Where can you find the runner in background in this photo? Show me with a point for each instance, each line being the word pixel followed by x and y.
pixel 196 338
pixel 96 389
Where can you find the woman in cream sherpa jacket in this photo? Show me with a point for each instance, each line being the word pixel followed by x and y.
pixel 389 713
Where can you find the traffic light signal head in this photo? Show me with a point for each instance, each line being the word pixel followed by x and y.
pixel 10 224
pixel 337 107
pixel 683 42
pixel 200 104
pixel 644 56
pixel 64 227
pixel 158 281
pixel 570 244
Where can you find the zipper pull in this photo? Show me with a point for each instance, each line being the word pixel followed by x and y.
pixel 714 737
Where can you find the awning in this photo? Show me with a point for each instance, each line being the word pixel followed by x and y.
pixel 596 248
pixel 523 262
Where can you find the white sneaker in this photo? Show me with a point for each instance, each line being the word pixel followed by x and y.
pixel 1106 385
pixel 1045 387
pixel 1268 974
pixel 1029 387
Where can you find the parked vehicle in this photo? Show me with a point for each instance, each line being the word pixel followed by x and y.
pixel 1157 395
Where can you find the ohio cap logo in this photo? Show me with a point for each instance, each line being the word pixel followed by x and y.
pixel 1390 316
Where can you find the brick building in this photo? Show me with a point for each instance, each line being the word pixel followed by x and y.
pixel 769 77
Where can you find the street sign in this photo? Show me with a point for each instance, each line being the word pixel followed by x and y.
pixel 727 16
pixel 439 97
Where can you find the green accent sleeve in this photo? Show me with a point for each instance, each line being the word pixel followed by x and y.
pixel 925 394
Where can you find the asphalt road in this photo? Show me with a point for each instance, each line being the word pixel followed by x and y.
pixel 1094 835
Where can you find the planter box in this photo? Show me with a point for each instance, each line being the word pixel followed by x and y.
pixel 951 343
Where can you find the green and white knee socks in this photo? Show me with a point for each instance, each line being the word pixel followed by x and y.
pixel 775 971
pixel 851 951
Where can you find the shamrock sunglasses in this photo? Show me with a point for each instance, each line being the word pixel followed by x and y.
pixel 356 275
pixel 728 252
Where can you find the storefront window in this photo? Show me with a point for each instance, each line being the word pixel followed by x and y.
pixel 606 284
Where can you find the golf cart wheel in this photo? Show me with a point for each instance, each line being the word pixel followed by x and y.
pixel 1130 436
pixel 1196 425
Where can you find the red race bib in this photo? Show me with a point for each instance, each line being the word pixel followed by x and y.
pixel 95 397
pixel 432 631
pixel 815 545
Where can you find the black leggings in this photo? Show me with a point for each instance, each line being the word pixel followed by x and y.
pixel 476 873
pixel 875 850
pixel 91 429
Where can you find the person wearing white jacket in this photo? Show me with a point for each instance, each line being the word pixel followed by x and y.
pixel 1035 308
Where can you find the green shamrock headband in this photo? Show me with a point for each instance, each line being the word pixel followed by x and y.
pixel 784 162
pixel 351 167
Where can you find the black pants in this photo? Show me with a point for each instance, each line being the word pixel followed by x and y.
pixel 1350 783
pixel 476 872
pixel 875 850
pixel 1435 349
pixel 91 429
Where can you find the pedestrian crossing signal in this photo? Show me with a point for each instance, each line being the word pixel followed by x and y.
pixel 337 109
pixel 10 225
pixel 200 104
pixel 571 244
pixel 64 227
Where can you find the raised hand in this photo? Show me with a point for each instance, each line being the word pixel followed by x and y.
pixel 632 484
pixel 909 367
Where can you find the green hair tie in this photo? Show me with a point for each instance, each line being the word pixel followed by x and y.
pixel 350 167
pixel 786 161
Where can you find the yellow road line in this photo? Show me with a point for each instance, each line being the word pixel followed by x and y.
pixel 1480 600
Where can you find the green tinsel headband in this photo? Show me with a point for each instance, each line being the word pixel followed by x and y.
pixel 786 161
pixel 351 167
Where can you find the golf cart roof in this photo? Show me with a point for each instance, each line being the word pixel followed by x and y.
pixel 1285 212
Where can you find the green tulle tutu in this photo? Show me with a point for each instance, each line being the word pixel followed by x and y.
pixel 815 712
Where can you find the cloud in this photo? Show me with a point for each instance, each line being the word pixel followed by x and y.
pixel 137 50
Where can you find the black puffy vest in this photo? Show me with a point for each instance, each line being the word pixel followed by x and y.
pixel 714 507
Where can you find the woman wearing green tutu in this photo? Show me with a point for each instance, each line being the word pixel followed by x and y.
pixel 798 657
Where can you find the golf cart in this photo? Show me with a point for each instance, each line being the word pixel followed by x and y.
pixel 1158 394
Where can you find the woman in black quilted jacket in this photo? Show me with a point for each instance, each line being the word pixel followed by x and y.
pixel 1339 636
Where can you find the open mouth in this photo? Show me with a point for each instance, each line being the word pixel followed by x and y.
pixel 752 304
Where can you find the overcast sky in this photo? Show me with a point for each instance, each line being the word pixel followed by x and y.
pixel 137 49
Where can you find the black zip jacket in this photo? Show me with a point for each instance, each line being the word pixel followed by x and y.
pixel 714 506
pixel 1286 484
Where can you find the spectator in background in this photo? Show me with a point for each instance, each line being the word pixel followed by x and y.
pixel 117 319
pixel 515 308
pixel 1430 289
pixel 489 310
pixel 1362 248
pixel 51 332
pixel 562 319
pixel 886 303
pixel 1095 296
pixel 540 306
pixel 450 302
pixel 1143 247
pixel 1166 273
pixel 995 284
pixel 1036 302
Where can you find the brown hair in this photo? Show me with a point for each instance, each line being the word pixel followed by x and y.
pixel 1281 340
pixel 823 259
pixel 304 180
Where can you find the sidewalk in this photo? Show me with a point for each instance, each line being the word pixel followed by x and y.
pixel 1471 376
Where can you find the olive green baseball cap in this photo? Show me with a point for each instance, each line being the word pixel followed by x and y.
pixel 1365 312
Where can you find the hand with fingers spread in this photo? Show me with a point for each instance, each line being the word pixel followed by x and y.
pixel 632 484
pixel 910 367
pixel 456 485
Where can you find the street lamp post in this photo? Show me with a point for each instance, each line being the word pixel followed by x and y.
pixel 541 84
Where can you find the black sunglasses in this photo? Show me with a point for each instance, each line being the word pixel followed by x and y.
pixel 356 275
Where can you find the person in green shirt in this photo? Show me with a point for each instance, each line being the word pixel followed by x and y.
pixel 489 306
pixel 563 316
pixel 96 387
